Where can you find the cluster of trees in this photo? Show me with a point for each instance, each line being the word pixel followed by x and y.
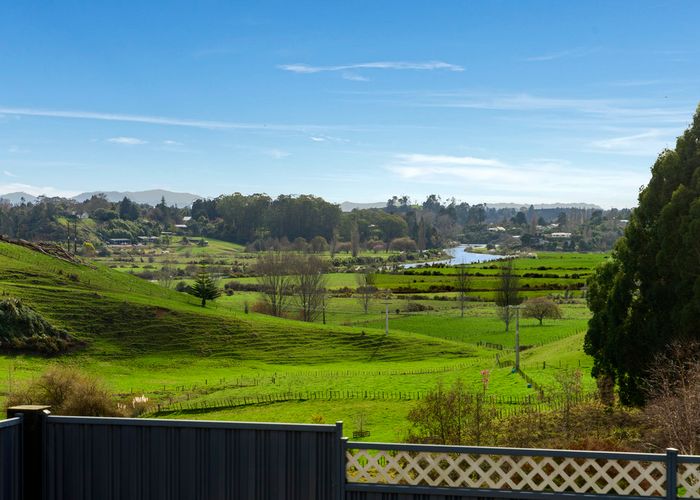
pixel 307 222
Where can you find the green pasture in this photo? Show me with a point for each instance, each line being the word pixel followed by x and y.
pixel 142 338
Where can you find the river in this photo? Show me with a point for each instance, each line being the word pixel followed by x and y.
pixel 459 256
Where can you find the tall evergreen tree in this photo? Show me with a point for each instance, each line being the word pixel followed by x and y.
pixel 205 288
pixel 648 294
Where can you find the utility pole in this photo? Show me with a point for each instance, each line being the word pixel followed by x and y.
pixel 517 336
pixel 386 321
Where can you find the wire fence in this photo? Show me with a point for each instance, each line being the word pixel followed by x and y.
pixel 504 405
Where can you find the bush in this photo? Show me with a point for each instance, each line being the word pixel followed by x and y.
pixel 418 307
pixel 68 391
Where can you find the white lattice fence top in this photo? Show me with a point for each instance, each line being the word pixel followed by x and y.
pixel 688 480
pixel 511 472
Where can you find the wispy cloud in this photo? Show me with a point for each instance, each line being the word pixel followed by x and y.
pixel 327 138
pixel 160 120
pixel 277 154
pixel 646 143
pixel 15 150
pixel 620 109
pixel 169 142
pixel 394 65
pixel 354 77
pixel 8 173
pixel 562 54
pixel 127 141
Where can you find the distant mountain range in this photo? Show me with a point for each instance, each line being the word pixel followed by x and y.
pixel 150 197
pixel 349 206
pixel 153 196
pixel 543 206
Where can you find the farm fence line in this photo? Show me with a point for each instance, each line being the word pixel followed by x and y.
pixel 505 405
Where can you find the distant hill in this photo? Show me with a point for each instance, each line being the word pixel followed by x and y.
pixel 16 198
pixel 150 197
pixel 544 206
pixel 349 206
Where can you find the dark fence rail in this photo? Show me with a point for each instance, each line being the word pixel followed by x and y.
pixel 110 458
pixel 45 457
pixel 11 459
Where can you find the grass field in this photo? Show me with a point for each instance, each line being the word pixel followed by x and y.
pixel 145 339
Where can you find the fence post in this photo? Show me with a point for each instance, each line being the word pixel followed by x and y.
pixel 671 473
pixel 341 443
pixel 33 424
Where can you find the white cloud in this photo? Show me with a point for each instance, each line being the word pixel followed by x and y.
pixel 317 139
pixel 127 141
pixel 395 65
pixel 169 142
pixel 36 190
pixel 8 173
pixel 562 54
pixel 169 121
pixel 16 150
pixel 277 154
pixel 545 180
pixel 646 143
pixel 354 77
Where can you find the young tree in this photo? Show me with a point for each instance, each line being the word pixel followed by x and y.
pixel 541 308
pixel 273 270
pixel 310 286
pixel 366 288
pixel 507 292
pixel 205 288
pixel 463 283
pixel 355 238
pixel 166 275
pixel 453 416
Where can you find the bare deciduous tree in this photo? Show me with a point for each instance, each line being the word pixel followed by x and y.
pixel 507 291
pixel 674 396
pixel 463 283
pixel 309 286
pixel 366 288
pixel 273 273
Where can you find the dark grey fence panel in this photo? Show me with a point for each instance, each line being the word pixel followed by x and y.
pixel 11 459
pixel 110 459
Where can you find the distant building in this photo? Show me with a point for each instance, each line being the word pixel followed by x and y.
pixel 560 236
pixel 148 239
pixel 497 229
pixel 119 241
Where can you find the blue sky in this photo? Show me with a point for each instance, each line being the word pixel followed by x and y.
pixel 499 101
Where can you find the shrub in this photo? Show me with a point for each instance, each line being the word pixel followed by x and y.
pixel 418 307
pixel 68 391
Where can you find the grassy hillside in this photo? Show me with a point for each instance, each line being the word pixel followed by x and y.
pixel 120 315
pixel 143 338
